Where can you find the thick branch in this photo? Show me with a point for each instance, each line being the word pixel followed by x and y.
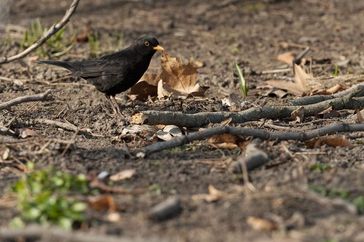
pixel 252 114
pixel 51 31
pixel 31 98
pixel 250 132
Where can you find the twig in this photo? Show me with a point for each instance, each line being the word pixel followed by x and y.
pixel 54 234
pixel 298 58
pixel 276 71
pixel 30 98
pixel 251 114
pixel 67 126
pixel 51 31
pixel 250 132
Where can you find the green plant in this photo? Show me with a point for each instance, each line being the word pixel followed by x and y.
pixel 359 204
pixel 336 71
pixel 331 193
pixel 55 44
pixel 244 88
pixel 94 44
pixel 357 201
pixel 47 197
pixel 320 167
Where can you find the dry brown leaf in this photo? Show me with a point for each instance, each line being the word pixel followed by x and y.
pixel 169 132
pixel 298 115
pixel 224 141
pixel 261 224
pixel 25 133
pixel 142 90
pixel 301 78
pixel 335 89
pixel 123 175
pixel 331 140
pixel 213 195
pixel 299 87
pixel 103 203
pixel 174 78
pixel 138 118
pixel 178 77
pixel 286 57
pixel 328 113
pixel 359 116
pixel 162 91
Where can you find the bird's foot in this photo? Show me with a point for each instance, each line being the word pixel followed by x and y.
pixel 115 107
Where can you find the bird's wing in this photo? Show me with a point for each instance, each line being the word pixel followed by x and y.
pixel 103 73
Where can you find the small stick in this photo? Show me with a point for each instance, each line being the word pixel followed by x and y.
pixel 67 126
pixel 30 98
pixel 51 31
pixel 298 58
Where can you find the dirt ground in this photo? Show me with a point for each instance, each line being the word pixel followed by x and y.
pixel 219 34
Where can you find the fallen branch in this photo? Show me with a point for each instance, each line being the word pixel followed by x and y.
pixel 51 31
pixel 354 91
pixel 252 114
pixel 250 132
pixel 30 98
pixel 53 234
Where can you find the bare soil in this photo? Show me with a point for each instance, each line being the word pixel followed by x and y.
pixel 250 33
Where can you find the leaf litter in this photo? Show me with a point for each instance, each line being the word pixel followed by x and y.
pixel 175 78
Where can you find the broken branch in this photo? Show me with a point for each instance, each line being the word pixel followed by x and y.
pixel 251 132
pixel 354 91
pixel 251 114
pixel 30 98
pixel 51 31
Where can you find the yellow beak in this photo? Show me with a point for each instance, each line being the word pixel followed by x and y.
pixel 158 48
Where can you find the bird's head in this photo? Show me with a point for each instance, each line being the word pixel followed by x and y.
pixel 148 45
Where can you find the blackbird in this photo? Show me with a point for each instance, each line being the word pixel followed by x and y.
pixel 115 73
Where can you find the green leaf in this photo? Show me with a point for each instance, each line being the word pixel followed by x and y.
pixel 244 89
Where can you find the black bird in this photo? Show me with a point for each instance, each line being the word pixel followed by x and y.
pixel 115 73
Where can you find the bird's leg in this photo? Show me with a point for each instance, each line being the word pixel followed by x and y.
pixel 110 101
pixel 115 104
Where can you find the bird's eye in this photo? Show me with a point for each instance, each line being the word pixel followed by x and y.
pixel 146 43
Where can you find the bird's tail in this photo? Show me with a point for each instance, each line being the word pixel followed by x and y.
pixel 63 64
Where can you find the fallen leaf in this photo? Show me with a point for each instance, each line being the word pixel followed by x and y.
pixel 328 113
pixel 359 116
pixel 169 132
pixel 6 154
pixel 331 140
pixel 25 133
pixel 142 90
pixel 213 195
pixel 298 115
pixel 261 224
pixel 138 118
pixel 299 87
pixel 102 203
pixel 224 141
pixel 113 217
pixel 301 78
pixel 162 91
pixel 178 78
pixel 123 175
pixel 335 89
pixel 286 57
pixel 175 78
